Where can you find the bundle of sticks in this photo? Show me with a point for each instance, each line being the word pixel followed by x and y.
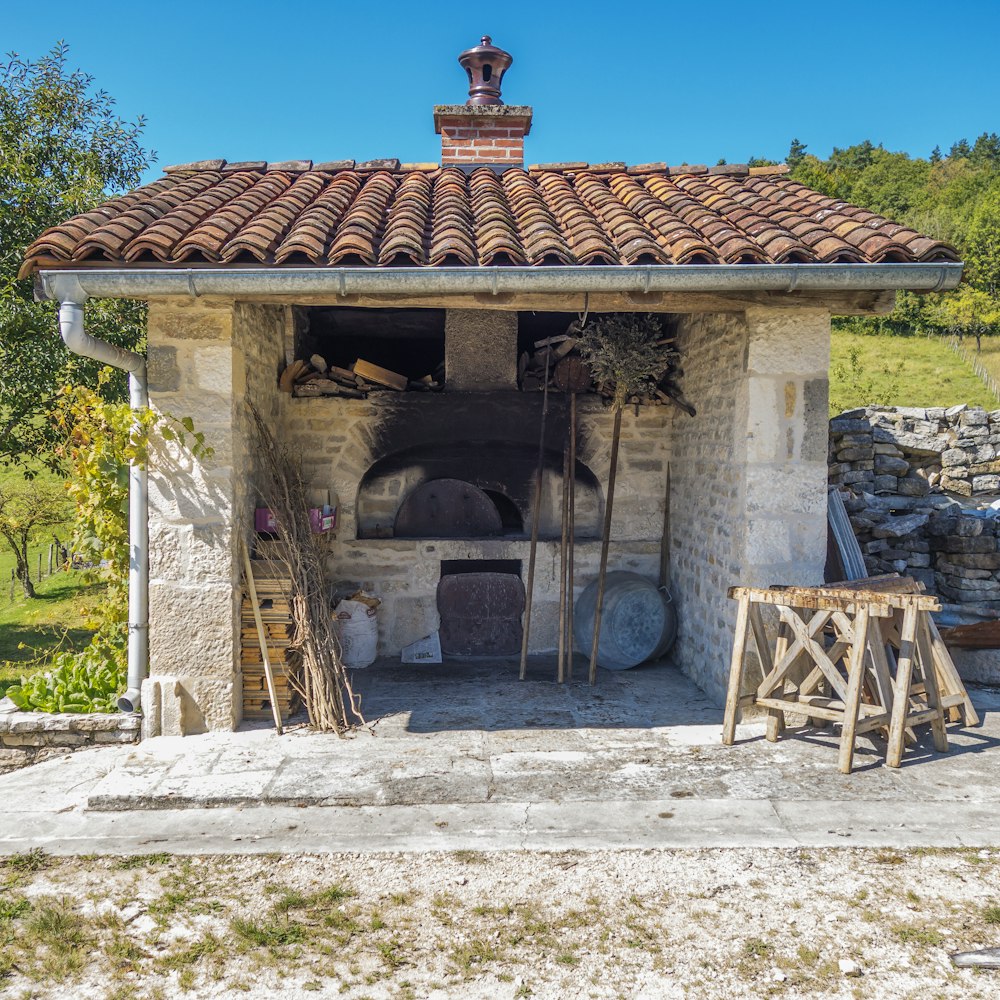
pixel 317 378
pixel 560 357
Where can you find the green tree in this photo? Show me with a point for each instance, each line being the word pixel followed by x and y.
pixel 63 150
pixel 27 511
pixel 983 243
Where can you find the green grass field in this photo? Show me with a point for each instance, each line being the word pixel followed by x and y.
pixel 989 353
pixel 904 371
pixel 54 619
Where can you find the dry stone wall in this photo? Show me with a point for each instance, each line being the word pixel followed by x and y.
pixel 910 450
pixel 918 486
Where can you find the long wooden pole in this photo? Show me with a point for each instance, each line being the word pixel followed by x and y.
pixel 561 662
pixel 535 517
pixel 572 532
pixel 605 542
pixel 262 639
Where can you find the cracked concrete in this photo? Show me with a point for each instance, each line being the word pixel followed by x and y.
pixel 465 756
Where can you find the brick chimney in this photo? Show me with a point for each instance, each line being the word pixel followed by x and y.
pixel 484 131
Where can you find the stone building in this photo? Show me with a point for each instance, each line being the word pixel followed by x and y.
pixel 247 266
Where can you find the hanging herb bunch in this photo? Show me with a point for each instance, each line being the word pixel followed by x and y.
pixel 630 353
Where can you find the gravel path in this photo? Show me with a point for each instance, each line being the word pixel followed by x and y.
pixel 630 924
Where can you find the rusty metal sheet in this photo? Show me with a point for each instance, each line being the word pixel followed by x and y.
pixel 480 614
pixel 447 508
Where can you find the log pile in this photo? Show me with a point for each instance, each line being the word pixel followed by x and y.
pixel 560 357
pixel 316 378
pixel 273 600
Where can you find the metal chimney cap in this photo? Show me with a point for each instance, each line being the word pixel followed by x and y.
pixel 485 64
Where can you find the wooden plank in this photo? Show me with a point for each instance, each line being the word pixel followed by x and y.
pixel 736 668
pixel 263 638
pixel 879 603
pixel 948 677
pixel 831 714
pixel 775 718
pixel 938 729
pixel 852 703
pixel 380 376
pixel 901 694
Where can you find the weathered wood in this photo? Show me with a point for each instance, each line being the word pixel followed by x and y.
pixel 616 434
pixel 535 518
pixel 265 657
pixel 775 717
pixel 381 376
pixel 933 695
pixel 845 303
pixel 901 694
pixel 852 701
pixel 736 668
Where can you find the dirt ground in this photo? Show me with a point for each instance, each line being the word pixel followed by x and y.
pixel 630 924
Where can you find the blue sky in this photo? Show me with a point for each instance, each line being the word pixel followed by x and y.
pixel 630 81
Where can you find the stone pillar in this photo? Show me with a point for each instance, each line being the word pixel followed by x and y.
pixel 748 473
pixel 480 349
pixel 787 390
pixel 195 371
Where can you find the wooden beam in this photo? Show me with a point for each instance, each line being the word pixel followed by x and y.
pixel 838 303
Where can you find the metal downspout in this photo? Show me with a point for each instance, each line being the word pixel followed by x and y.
pixel 80 342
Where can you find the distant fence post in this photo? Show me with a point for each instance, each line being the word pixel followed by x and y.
pixel 51 552
pixel 977 366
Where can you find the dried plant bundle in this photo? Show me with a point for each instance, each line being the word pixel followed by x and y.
pixel 628 352
pixel 324 684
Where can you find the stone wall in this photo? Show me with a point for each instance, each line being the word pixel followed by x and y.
pixel 340 439
pixel 36 730
pixel 953 551
pixel 910 450
pixel 748 474
pixel 204 358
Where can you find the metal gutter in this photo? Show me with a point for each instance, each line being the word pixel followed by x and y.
pixel 144 283
pixel 71 311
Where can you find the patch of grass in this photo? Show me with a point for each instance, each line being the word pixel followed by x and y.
pixel 904 371
pixel 472 954
pixel 140 861
pixel 11 909
pixel 890 858
pixel 991 915
pixel 913 934
pixel 807 956
pixel 29 862
pixel 757 948
pixel 267 934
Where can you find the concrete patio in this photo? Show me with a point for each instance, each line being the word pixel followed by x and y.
pixel 463 756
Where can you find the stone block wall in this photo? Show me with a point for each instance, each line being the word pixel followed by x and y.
pixel 748 474
pixel 910 450
pixel 204 358
pixel 340 439
pixel 36 730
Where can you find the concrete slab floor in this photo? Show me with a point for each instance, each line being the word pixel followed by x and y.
pixel 464 756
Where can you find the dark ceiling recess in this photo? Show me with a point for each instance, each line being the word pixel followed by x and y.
pixel 407 341
pixel 534 326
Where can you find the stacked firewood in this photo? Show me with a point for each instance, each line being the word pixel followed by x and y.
pixel 316 378
pixel 273 591
pixel 566 370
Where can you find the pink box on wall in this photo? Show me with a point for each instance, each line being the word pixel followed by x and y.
pixel 319 520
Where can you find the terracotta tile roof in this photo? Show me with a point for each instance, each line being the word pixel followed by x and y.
pixel 384 213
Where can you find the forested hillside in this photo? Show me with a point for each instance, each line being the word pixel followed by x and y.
pixel 954 196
